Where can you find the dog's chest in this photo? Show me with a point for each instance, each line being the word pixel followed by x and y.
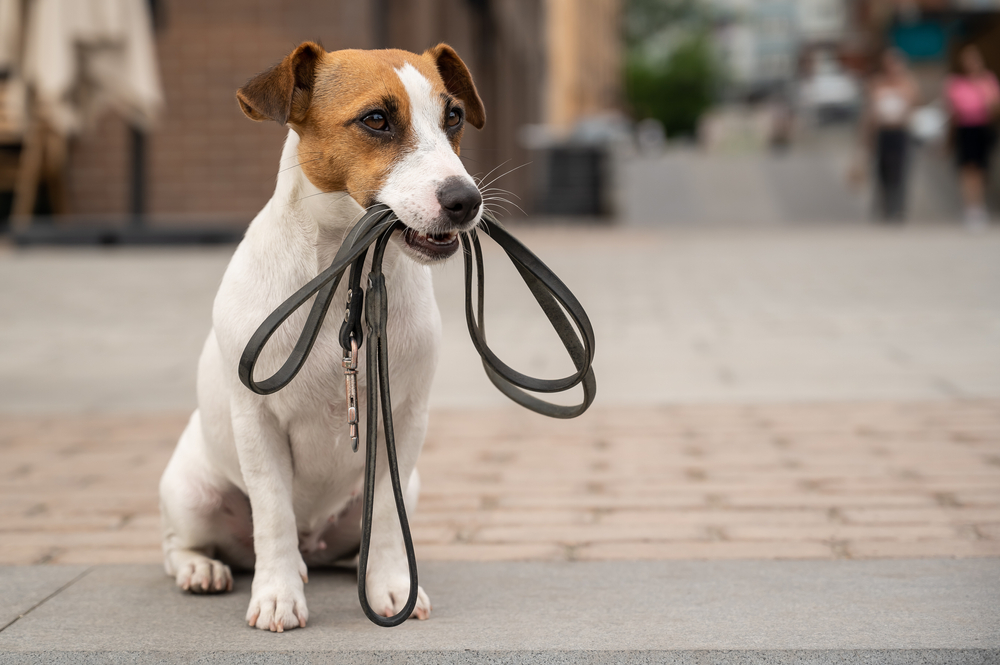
pixel 312 409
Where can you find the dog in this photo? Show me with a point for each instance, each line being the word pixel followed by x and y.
pixel 271 483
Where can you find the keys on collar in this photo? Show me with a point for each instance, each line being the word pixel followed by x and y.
pixel 351 377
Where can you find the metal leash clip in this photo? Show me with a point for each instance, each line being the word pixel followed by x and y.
pixel 351 376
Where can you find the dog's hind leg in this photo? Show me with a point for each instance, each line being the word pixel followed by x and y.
pixel 201 518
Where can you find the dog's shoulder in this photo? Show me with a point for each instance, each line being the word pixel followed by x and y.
pixel 266 268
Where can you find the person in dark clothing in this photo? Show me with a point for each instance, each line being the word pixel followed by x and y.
pixel 974 99
pixel 892 96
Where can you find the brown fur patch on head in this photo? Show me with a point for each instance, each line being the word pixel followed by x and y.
pixel 337 152
pixel 326 96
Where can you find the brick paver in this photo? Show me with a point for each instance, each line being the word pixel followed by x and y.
pixel 821 480
pixel 834 392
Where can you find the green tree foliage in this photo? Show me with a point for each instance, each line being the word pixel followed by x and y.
pixel 675 85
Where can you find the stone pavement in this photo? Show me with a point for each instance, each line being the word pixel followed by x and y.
pixel 794 481
pixel 802 393
pixel 822 396
pixel 685 186
pixel 929 611
pixel 735 315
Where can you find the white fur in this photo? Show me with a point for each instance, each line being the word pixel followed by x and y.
pixel 412 185
pixel 286 458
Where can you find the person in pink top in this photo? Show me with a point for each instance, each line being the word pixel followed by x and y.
pixel 974 98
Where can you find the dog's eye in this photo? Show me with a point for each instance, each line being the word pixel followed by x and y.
pixel 454 118
pixel 376 121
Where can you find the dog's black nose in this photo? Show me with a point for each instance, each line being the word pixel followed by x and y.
pixel 459 199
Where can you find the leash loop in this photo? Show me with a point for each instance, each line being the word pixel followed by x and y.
pixel 560 306
pixel 554 298
pixel 376 312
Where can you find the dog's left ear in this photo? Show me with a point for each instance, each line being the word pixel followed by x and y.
pixel 282 93
pixel 458 81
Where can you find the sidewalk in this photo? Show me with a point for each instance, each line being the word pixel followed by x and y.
pixel 734 315
pixel 934 612
pixel 820 396
pixel 821 393
pixel 794 481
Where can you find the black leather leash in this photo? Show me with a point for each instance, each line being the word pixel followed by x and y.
pixel 560 306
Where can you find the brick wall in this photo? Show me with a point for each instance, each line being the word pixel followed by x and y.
pixel 207 160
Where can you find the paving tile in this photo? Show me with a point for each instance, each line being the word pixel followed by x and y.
pixel 828 480
pixel 24 587
pixel 717 550
pixel 735 315
pixel 553 612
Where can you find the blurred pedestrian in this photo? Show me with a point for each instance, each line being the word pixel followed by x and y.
pixel 974 98
pixel 892 95
pixel 782 123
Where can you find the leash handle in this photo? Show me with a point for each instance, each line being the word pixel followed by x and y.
pixel 556 301
pixel 377 314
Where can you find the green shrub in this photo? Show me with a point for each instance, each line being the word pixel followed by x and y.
pixel 676 89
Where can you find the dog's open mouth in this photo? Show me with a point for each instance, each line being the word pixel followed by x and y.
pixel 434 246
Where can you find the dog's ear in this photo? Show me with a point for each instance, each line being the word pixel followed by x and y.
pixel 282 93
pixel 458 81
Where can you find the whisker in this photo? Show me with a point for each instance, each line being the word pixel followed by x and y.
pixel 507 173
pixel 508 201
pixel 345 194
pixel 501 207
pixel 315 159
pixel 302 152
pixel 480 180
pixel 502 191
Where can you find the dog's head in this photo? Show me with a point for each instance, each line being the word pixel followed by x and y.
pixel 385 127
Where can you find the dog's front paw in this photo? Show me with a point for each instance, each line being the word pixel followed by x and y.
pixel 277 604
pixel 204 575
pixel 388 597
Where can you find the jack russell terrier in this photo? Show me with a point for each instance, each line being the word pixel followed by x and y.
pixel 271 483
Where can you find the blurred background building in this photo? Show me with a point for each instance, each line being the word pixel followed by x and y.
pixel 202 162
pixel 580 94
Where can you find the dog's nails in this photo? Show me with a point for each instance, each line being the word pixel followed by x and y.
pixel 280 628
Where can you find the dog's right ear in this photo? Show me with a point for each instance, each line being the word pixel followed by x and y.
pixel 282 93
